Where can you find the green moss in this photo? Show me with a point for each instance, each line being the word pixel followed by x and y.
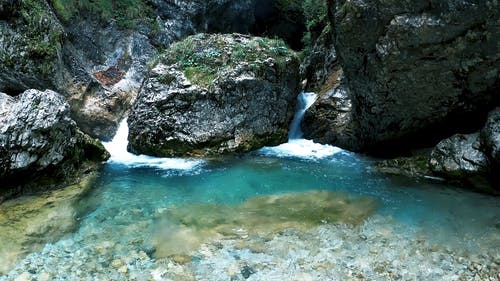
pixel 38 48
pixel 315 14
pixel 126 13
pixel 202 57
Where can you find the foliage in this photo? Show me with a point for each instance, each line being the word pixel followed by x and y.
pixel 41 41
pixel 314 12
pixel 202 56
pixel 125 12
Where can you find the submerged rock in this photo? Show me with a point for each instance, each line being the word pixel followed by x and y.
pixel 262 215
pixel 212 94
pixel 460 158
pixel 420 71
pixel 413 167
pixel 27 223
pixel 39 139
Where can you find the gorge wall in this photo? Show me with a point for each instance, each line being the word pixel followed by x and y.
pixel 415 72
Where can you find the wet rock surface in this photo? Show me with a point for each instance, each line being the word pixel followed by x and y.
pixel 38 138
pixel 418 68
pixel 460 157
pixel 413 167
pixel 490 136
pixel 105 67
pixel 211 94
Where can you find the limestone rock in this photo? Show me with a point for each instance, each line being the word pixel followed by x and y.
pixel 460 158
pixel 216 94
pixel 38 137
pixel 490 136
pixel 420 71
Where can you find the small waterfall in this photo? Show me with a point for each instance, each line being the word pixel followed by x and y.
pixel 117 147
pixel 304 101
pixel 296 145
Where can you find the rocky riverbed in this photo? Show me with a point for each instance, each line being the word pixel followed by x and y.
pixel 378 249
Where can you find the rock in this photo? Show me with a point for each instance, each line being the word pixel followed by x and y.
pixel 422 70
pixel 30 46
pixel 39 139
pixel 413 167
pixel 330 118
pixel 490 137
pixel 211 94
pixel 30 222
pixel 246 271
pixel 105 69
pixel 460 158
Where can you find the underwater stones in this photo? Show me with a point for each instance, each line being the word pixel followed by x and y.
pixel 27 223
pixel 40 139
pixel 263 216
pixel 212 94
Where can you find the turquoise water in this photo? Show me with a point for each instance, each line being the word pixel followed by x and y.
pixel 201 219
pixel 449 215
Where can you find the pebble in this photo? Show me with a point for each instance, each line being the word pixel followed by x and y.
pixel 324 253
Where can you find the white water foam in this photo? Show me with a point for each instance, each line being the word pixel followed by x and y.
pixel 117 147
pixel 296 145
pixel 301 148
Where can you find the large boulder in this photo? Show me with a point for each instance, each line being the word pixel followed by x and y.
pixel 38 139
pixel 460 158
pixel 421 70
pixel 213 94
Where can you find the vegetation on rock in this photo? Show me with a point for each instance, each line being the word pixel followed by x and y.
pixel 125 12
pixel 315 14
pixel 37 49
pixel 202 56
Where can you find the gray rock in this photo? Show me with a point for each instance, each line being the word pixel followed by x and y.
pixel 105 67
pixel 39 138
pixel 490 137
pixel 212 94
pixel 30 46
pixel 460 158
pixel 420 70
pixel 330 118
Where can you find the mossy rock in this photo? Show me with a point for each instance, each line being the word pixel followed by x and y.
pixel 202 57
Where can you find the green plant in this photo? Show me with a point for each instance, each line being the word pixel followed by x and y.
pixel 202 57
pixel 126 13
pixel 314 13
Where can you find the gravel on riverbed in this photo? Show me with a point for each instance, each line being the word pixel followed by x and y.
pixel 378 249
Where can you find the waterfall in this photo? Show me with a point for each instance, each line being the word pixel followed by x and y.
pixel 304 101
pixel 296 145
pixel 117 148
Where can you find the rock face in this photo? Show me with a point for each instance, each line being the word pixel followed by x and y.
pixel 99 65
pixel 38 138
pixel 216 94
pixel 420 71
pixel 30 46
